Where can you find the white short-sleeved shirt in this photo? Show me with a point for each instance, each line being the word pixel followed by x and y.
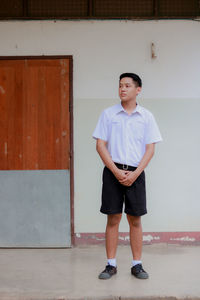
pixel 127 135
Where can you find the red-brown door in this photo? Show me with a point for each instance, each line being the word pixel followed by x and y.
pixel 34 114
pixel 35 152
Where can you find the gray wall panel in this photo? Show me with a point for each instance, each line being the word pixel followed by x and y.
pixel 35 208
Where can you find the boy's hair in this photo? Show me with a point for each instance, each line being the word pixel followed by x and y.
pixel 137 80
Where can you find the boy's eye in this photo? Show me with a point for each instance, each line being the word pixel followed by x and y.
pixel 127 85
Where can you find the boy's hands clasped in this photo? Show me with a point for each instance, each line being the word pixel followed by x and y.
pixel 126 178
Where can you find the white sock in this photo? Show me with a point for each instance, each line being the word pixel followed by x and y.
pixel 112 262
pixel 136 262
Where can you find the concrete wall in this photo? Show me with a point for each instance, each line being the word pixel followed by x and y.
pixel 171 90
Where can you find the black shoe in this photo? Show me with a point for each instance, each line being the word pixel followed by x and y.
pixel 108 272
pixel 139 272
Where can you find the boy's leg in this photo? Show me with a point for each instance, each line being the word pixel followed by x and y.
pixel 112 228
pixel 112 204
pixel 136 246
pixel 135 236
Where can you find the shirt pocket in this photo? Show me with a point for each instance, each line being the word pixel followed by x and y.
pixel 138 131
pixel 115 128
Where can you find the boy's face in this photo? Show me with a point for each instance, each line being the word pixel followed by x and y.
pixel 128 90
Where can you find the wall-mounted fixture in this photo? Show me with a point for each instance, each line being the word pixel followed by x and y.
pixel 153 51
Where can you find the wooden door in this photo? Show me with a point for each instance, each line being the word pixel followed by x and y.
pixel 34 114
pixel 35 136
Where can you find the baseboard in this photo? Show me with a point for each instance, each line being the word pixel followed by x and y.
pixel 185 238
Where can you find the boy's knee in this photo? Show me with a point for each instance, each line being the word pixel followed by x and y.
pixel 134 221
pixel 114 220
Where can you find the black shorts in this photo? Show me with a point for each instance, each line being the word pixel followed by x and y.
pixel 115 194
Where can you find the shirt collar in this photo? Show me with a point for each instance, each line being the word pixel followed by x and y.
pixel 137 109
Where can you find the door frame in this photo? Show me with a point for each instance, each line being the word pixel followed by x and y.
pixel 71 117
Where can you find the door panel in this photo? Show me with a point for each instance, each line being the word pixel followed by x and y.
pixel 35 208
pixel 35 153
pixel 35 109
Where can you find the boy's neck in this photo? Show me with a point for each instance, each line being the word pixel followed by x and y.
pixel 129 106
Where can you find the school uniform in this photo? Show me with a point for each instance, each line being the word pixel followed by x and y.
pixel 126 136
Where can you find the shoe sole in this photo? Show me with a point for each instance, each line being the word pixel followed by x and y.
pixel 142 277
pixel 105 276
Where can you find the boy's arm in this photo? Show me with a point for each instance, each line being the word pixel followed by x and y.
pixel 150 149
pixel 101 147
pixel 132 176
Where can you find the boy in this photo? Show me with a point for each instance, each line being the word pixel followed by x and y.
pixel 125 135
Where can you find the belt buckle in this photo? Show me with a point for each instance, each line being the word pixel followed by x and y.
pixel 125 167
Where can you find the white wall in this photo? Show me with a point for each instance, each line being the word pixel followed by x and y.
pixel 101 51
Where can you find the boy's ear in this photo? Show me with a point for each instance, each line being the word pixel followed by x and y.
pixel 139 88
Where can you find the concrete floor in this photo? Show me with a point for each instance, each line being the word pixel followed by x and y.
pixel 72 273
